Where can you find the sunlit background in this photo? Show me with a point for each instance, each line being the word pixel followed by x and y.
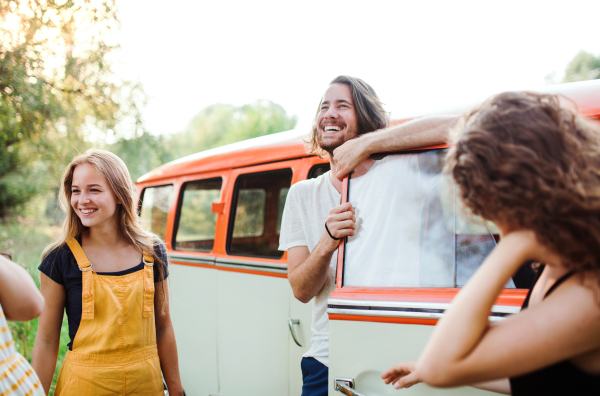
pixel 418 55
pixel 153 81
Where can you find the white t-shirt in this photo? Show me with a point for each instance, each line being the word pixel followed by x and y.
pixel 306 209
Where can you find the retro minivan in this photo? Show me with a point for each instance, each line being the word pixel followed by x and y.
pixel 239 328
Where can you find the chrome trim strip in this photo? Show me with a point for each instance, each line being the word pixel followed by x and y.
pixel 503 309
pixel 264 266
pixel 395 314
pixel 251 263
pixel 185 258
pixel 256 267
pixel 391 304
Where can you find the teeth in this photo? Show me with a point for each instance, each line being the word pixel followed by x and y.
pixel 332 128
pixel 87 211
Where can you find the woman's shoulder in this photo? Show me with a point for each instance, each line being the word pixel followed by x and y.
pixel 587 283
pixel 577 300
pixel 159 246
pixel 56 262
pixel 160 251
pixel 59 253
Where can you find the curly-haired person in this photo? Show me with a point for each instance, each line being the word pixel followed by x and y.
pixel 532 166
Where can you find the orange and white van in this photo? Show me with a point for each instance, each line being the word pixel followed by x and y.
pixel 239 328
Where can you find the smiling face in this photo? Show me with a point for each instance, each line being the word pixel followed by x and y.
pixel 336 121
pixel 92 199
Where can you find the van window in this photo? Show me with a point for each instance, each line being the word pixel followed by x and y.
pixel 250 215
pixel 412 230
pixel 280 205
pixel 258 207
pixel 155 208
pixel 318 170
pixel 195 224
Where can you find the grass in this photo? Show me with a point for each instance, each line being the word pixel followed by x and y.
pixel 25 239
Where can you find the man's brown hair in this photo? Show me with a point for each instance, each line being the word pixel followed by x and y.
pixel 524 159
pixel 369 111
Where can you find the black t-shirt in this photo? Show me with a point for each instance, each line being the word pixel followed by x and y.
pixel 60 266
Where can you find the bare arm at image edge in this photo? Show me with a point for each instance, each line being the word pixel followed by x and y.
pixel 422 132
pixel 19 296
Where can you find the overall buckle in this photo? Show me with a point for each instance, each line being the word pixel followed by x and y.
pixel 147 263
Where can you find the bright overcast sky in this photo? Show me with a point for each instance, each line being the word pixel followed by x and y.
pixel 418 55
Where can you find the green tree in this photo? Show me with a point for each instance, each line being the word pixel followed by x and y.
pixel 57 90
pixel 142 153
pixel 214 126
pixel 221 124
pixel 584 66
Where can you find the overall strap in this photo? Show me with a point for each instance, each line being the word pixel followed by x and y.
pixel 148 308
pixel 85 266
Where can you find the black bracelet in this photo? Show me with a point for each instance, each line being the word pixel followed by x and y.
pixel 332 237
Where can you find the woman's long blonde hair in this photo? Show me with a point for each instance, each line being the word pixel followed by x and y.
pixel 115 171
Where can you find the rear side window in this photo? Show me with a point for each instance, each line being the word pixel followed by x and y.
pixel 195 229
pixel 155 208
pixel 318 170
pixel 258 204
pixel 412 229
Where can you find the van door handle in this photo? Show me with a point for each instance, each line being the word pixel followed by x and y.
pixel 345 386
pixel 291 323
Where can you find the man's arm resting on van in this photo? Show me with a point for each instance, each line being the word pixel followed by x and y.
pixel 307 271
pixel 417 133
pixel 19 296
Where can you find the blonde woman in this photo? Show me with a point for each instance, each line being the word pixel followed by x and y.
pixel 110 276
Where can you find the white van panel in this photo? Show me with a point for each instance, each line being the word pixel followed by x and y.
pixel 364 350
pixel 303 312
pixel 194 314
pixel 252 334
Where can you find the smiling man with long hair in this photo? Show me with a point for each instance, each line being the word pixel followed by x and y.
pixel 350 125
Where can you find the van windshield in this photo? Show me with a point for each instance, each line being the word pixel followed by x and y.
pixel 411 229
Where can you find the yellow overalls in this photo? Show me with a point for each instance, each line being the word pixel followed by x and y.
pixel 114 350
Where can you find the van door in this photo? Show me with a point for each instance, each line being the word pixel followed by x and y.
pixel 253 290
pixel 414 247
pixel 193 281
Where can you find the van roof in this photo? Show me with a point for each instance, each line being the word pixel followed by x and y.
pixel 288 145
pixel 270 148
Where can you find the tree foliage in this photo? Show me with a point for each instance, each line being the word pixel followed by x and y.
pixel 59 96
pixel 584 66
pixel 57 89
pixel 214 126
pixel 221 124
pixel 143 153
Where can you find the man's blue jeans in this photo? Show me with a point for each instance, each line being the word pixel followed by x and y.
pixel 315 376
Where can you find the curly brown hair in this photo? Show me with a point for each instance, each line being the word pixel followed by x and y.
pixel 522 158
pixel 370 113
